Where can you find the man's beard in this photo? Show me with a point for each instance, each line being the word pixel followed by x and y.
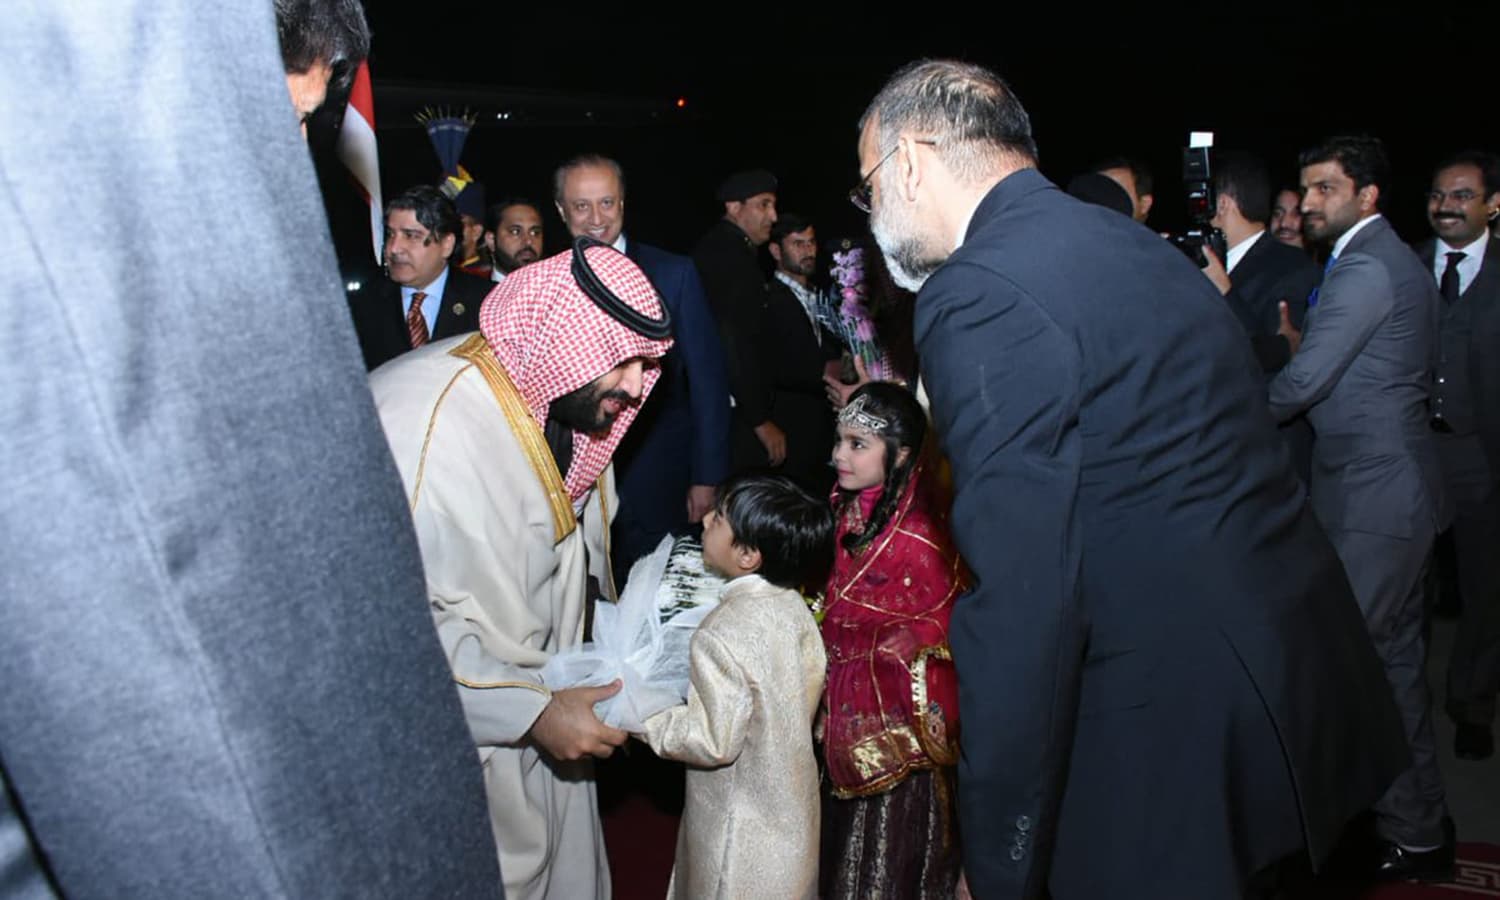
pixel 509 264
pixel 579 409
pixel 905 253
pixel 807 268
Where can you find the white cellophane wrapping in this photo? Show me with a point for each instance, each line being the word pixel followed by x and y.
pixel 643 638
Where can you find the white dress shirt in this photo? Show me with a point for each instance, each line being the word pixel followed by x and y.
pixel 1238 251
pixel 430 303
pixel 1468 267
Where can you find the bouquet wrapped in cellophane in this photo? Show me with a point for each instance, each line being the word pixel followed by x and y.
pixel 850 320
pixel 643 639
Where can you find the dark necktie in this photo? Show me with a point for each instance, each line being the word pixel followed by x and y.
pixel 1448 285
pixel 416 323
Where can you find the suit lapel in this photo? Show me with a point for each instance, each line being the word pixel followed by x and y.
pixel 1486 283
pixel 1427 252
pixel 444 319
pixel 448 313
pixel 1254 256
pixel 391 317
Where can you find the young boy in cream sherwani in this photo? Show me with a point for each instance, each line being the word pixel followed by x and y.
pixel 750 824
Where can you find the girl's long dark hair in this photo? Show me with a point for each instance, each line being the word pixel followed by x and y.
pixel 906 426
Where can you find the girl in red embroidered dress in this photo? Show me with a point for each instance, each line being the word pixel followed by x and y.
pixel 890 737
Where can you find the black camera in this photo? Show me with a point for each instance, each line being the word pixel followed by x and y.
pixel 1197 179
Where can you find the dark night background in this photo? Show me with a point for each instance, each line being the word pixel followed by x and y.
pixel 765 86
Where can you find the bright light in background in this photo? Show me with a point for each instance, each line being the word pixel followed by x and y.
pixel 681 102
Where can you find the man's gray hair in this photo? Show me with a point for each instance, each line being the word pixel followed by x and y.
pixel 969 112
pixel 578 162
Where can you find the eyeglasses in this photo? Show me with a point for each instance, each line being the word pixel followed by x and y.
pixel 1462 195
pixel 859 195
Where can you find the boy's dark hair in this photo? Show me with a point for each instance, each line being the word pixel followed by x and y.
pixel 792 529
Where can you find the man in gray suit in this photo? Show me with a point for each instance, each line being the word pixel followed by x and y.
pixel 218 677
pixel 1362 375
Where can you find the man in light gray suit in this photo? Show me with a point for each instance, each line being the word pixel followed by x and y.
pixel 1362 375
pixel 218 677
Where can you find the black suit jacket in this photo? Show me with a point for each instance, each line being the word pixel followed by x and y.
pixel 681 436
pixel 382 327
pixel 1271 272
pixel 1164 679
pixel 736 289
pixel 1484 344
pixel 796 351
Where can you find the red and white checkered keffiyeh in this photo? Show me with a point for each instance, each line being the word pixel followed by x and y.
pixel 552 339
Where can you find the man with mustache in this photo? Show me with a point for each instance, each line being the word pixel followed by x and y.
pixel 514 236
pixel 1464 259
pixel 425 298
pixel 1363 375
pixel 1164 681
pixel 727 257
pixel 678 452
pixel 1286 218
pixel 802 350
pixel 503 439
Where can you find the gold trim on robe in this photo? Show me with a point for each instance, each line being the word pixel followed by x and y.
pixel 528 433
pixel 932 729
pixel 896 751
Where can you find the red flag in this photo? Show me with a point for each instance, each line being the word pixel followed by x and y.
pixel 356 149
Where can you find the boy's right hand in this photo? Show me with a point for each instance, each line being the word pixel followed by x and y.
pixel 568 729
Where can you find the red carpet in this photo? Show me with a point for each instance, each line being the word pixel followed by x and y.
pixel 640 800
pixel 1478 875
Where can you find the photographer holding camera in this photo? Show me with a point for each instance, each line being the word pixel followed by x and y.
pixel 1265 282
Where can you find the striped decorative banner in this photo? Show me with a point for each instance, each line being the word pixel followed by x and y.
pixel 357 151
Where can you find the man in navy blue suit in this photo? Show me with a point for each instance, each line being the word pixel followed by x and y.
pixel 1165 683
pixel 678 449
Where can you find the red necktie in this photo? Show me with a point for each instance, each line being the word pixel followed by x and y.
pixel 416 325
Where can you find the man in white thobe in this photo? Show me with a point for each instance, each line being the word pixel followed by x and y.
pixel 503 438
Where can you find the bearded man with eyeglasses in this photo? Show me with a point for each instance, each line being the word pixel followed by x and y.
pixel 1165 683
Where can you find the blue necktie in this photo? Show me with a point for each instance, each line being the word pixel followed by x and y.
pixel 1312 296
